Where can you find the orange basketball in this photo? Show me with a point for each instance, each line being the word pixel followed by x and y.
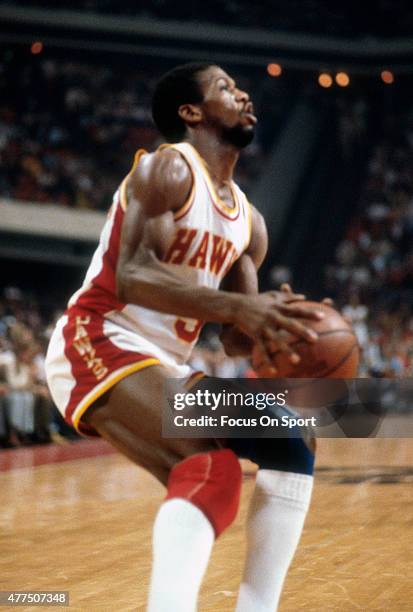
pixel 334 355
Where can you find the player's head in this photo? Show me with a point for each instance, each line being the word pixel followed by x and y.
pixel 196 96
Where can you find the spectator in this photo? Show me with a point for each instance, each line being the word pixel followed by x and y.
pixel 20 399
pixel 375 260
pixel 357 314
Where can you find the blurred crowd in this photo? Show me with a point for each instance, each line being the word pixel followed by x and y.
pixel 373 273
pixel 69 131
pixel 27 413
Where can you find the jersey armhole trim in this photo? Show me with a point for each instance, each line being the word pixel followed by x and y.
pixel 122 191
pixel 249 221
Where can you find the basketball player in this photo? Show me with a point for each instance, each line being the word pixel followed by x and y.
pixel 182 246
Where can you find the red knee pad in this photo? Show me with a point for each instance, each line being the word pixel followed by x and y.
pixel 212 482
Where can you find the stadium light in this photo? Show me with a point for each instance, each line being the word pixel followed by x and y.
pixel 342 79
pixel 325 80
pixel 274 70
pixel 37 47
pixel 387 77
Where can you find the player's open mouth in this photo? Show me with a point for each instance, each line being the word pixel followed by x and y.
pixel 248 113
pixel 250 117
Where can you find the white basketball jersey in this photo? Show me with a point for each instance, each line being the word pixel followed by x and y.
pixel 208 237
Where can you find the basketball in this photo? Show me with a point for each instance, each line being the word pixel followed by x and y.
pixel 334 355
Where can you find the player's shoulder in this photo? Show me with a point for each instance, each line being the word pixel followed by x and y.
pixel 163 177
pixel 257 220
pixel 166 162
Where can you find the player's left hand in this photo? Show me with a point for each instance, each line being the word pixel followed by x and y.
pixel 328 302
pixel 238 344
pixel 289 296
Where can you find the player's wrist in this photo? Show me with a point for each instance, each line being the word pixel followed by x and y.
pixel 239 309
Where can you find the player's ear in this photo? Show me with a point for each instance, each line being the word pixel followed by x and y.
pixel 190 113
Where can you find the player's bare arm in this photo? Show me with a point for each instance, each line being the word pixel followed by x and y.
pixel 243 278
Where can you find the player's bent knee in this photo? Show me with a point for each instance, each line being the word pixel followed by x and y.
pixel 212 482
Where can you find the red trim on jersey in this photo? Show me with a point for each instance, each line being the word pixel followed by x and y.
pixel 221 212
pixel 180 215
pixel 219 209
pixel 101 297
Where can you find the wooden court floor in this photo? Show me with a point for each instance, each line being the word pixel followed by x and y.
pixel 84 526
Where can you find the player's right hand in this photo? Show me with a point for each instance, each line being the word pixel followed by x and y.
pixel 267 317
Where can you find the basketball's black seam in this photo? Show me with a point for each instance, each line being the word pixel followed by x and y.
pixel 342 360
pixel 325 333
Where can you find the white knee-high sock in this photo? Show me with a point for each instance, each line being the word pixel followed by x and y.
pixel 182 542
pixel 275 521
